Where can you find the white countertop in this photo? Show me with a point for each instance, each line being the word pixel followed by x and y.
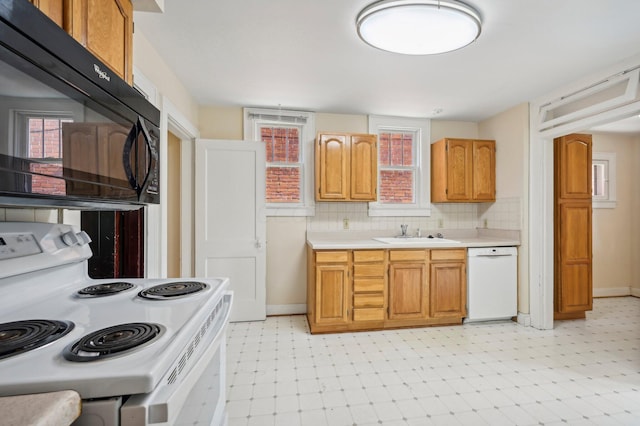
pixel 365 239
pixel 41 409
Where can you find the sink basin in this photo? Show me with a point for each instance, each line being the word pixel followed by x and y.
pixel 415 240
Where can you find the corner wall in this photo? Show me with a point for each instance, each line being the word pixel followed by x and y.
pixel 510 129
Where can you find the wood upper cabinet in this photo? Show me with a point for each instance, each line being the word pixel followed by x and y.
pixel 447 283
pixel 104 27
pixel 54 9
pixel 346 167
pixel 573 269
pixel 408 290
pixel 463 170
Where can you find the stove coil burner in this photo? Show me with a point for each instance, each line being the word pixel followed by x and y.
pixel 105 289
pixel 172 290
pixel 22 336
pixel 112 341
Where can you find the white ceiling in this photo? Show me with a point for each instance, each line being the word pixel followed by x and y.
pixel 305 54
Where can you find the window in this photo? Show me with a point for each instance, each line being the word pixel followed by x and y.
pixel 288 136
pixel 44 135
pixel 603 180
pixel 403 166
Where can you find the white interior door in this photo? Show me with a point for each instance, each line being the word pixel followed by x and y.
pixel 230 221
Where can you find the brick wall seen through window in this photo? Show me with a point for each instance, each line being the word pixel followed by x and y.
pixel 397 167
pixel 283 163
pixel 45 142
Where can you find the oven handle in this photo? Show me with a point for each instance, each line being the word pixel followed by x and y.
pixel 162 406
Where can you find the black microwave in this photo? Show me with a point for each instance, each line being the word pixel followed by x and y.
pixel 72 132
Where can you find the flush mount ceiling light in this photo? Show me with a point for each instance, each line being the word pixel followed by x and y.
pixel 417 27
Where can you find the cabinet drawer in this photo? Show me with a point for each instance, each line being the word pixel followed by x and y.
pixel 364 284
pixel 398 255
pixel 332 256
pixel 371 314
pixel 455 254
pixel 368 270
pixel 368 256
pixel 368 300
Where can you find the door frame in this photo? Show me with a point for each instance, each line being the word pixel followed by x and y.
pixel 540 232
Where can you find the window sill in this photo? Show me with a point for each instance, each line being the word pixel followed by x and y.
pixel 604 204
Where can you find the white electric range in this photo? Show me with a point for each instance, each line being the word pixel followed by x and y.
pixel 138 351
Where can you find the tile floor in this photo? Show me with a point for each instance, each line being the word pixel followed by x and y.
pixel 584 372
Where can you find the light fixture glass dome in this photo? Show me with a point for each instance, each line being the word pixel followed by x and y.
pixel 418 27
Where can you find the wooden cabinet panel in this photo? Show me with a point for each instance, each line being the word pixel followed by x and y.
pixel 54 9
pixel 364 167
pixel 368 314
pixel 368 270
pixel 573 269
pixel 362 285
pixel 463 170
pixel 368 255
pixel 484 170
pixel 368 300
pixel 448 254
pixel 332 256
pixel 332 161
pixel 105 28
pixel 407 255
pixel 332 294
pixel 459 170
pixel 575 162
pixel 346 167
pixel 407 291
pixel 447 290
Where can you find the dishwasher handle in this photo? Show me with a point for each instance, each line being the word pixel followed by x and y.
pixel 492 251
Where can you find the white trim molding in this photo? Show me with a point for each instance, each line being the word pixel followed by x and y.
pixel 296 309
pixel 541 236
pixel 612 292
pixel 524 319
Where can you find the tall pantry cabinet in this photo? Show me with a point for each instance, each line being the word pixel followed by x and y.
pixel 573 286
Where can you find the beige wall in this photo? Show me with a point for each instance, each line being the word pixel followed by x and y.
pixel 174 174
pixel 612 240
pixel 286 236
pixel 510 129
pixel 635 223
pixel 148 61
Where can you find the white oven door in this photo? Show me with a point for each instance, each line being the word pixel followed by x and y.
pixel 198 396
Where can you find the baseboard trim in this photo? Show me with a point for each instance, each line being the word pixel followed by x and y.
pixel 635 291
pixel 524 319
pixel 273 310
pixel 613 292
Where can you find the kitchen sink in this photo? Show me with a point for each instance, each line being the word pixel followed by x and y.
pixel 415 240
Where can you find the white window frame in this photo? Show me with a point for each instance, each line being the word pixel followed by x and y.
pixel 422 196
pixel 609 199
pixel 254 118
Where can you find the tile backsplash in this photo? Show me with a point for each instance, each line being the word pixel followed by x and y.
pixel 502 214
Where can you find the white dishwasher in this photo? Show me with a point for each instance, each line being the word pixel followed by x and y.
pixel 492 283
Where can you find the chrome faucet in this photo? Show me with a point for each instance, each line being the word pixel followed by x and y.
pixel 403 229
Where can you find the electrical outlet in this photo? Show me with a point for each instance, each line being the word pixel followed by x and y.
pixel 345 223
pixel 485 223
pixel 440 224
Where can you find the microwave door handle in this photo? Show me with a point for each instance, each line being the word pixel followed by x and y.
pixel 150 150
pixel 126 157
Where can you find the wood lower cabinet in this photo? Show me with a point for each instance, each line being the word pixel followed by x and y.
pixel 328 299
pixel 447 271
pixel 369 285
pixel 408 294
pixel 377 289
pixel 104 27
